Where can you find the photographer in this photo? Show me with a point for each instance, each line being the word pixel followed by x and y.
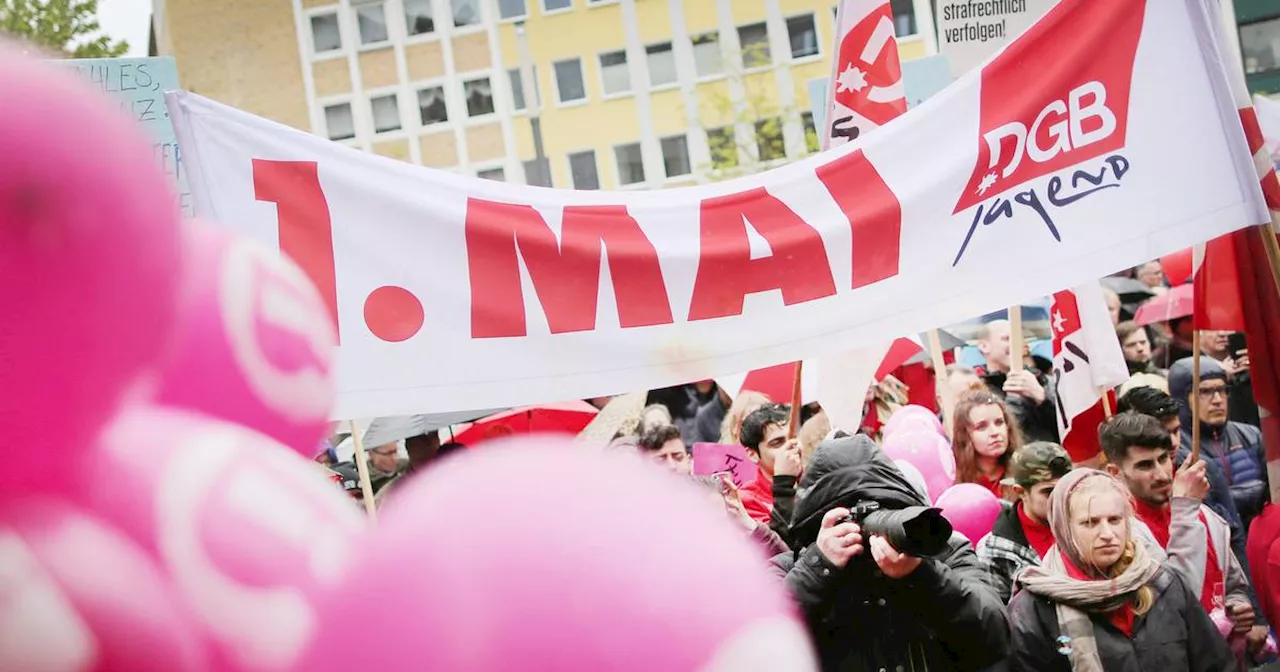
pixel 869 606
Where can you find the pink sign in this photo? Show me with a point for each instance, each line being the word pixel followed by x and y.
pixel 712 458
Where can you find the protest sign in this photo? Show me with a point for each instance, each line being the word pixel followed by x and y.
pixel 924 77
pixel 139 84
pixel 713 458
pixel 1050 167
pixel 970 31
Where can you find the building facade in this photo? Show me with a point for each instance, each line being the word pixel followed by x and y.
pixel 1259 32
pixel 627 93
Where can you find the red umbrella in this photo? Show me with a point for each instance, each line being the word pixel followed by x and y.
pixel 566 418
pixel 1175 303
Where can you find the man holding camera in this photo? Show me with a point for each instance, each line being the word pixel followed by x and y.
pixel 882 582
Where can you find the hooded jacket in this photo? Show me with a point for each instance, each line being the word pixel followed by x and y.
pixel 1235 447
pixel 1037 422
pixel 943 616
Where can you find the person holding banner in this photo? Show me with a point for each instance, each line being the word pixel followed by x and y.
pixel 764 434
pixel 1196 540
pixel 1235 446
pixel 1102 600
pixel 1028 394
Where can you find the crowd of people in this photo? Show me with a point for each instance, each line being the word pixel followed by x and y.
pixel 1139 558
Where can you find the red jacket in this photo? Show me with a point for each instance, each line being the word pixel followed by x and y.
pixel 757 498
pixel 1263 549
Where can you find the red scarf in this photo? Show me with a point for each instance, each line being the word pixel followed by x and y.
pixel 1038 534
pixel 1121 618
pixel 993 484
pixel 1158 519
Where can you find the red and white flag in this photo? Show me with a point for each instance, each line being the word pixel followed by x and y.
pixel 1235 271
pixel 865 90
pixel 1087 360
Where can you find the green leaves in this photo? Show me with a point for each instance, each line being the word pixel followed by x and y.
pixel 67 26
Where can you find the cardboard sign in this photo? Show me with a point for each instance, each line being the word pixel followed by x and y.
pixel 970 32
pixel 713 458
pixel 139 85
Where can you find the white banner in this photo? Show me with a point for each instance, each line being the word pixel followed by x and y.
pixel 1067 157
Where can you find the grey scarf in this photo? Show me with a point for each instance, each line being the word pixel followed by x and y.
pixel 1075 599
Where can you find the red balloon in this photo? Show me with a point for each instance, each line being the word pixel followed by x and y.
pixel 1177 267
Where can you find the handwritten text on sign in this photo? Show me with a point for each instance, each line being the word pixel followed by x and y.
pixel 138 86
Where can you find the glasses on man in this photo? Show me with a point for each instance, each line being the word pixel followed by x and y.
pixel 1208 393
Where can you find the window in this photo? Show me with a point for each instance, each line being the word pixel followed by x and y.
pixel 325 35
pixel 372 22
pixel 630 163
pixel 512 9
pixel 556 5
pixel 1260 46
pixel 569 84
pixel 495 174
pixel 804 36
pixel 769 139
pixel 466 12
pixel 419 17
pixel 904 17
pixel 432 107
pixel 675 156
pixel 386 113
pixel 582 168
pixel 338 123
pixel 517 88
pixel 479 96
pixel 755 45
pixel 723 146
pixel 707 60
pixel 662 64
pixel 537 172
pixel 811 141
pixel 614 73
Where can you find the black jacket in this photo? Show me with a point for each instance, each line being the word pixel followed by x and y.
pixel 943 616
pixel 1038 422
pixel 1175 635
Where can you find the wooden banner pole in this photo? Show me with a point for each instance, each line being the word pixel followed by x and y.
pixel 362 466
pixel 793 428
pixel 1016 343
pixel 1195 397
pixel 945 393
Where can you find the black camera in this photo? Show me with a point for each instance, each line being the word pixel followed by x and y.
pixel 915 530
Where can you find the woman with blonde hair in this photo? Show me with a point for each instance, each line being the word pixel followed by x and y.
pixel 1101 600
pixel 742 406
pixel 984 438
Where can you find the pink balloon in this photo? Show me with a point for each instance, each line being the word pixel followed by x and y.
pixel 970 508
pixel 77 595
pixel 912 418
pixel 928 452
pixel 89 260
pixel 247 529
pixel 255 342
pixel 620 567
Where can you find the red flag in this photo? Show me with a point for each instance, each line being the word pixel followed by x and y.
pixel 1086 360
pixel 1236 271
